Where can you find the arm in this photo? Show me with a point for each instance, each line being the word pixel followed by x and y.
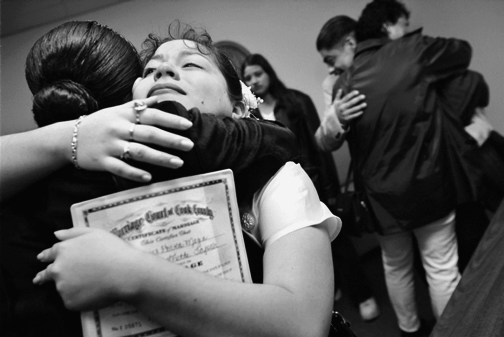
pixel 292 301
pixel 327 88
pixel 479 128
pixel 443 57
pixel 30 156
pixel 463 93
pixel 247 146
pixel 295 298
pixel 25 159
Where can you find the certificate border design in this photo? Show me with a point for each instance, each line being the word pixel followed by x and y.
pixel 224 181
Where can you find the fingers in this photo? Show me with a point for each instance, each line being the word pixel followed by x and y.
pixel 48 255
pixel 348 118
pixel 152 135
pixel 66 234
pixel 149 101
pixel 164 119
pixel 348 97
pixel 352 104
pixel 338 94
pixel 355 109
pixel 43 276
pixel 142 115
pixel 144 154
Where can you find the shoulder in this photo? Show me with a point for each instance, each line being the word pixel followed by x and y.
pixel 295 97
pixel 298 94
pixel 289 201
pixel 290 177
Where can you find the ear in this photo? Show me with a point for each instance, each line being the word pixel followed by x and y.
pixel 351 42
pixel 386 28
pixel 239 110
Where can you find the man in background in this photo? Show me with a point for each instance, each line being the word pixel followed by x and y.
pixel 397 144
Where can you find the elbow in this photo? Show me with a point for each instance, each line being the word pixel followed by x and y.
pixel 312 326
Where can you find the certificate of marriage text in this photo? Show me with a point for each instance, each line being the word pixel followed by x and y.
pixel 191 221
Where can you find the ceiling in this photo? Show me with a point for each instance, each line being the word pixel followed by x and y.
pixel 20 15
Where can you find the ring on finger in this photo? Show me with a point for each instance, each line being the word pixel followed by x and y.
pixel 126 155
pixel 139 107
pixel 131 131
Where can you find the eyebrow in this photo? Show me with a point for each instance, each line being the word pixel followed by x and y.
pixel 159 57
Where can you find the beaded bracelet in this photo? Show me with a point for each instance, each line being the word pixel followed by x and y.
pixel 74 141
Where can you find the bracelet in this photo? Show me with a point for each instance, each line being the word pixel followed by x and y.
pixel 74 142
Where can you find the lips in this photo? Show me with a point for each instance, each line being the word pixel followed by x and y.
pixel 165 88
pixel 256 88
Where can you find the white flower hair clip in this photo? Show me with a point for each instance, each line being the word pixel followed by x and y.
pixel 250 101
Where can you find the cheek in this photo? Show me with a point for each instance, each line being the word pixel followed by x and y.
pixel 140 90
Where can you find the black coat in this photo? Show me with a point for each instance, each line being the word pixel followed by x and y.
pixel 399 150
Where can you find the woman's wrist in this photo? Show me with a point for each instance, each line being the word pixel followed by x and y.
pixel 130 286
pixel 60 140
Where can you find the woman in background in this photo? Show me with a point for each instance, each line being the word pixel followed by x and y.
pixel 296 110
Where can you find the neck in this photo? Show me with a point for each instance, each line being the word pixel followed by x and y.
pixel 268 99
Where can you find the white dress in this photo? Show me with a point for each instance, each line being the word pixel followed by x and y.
pixel 288 202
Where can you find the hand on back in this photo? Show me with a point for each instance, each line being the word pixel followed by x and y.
pixel 349 107
pixel 106 134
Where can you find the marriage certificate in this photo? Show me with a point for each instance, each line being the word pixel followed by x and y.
pixel 191 221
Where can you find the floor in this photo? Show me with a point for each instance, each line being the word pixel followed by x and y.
pixel 385 325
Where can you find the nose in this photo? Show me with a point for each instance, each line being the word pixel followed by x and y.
pixel 166 69
pixel 253 81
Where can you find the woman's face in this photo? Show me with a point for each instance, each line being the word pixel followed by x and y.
pixel 398 29
pixel 178 71
pixel 256 78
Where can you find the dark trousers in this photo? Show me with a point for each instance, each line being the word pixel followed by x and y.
pixel 470 225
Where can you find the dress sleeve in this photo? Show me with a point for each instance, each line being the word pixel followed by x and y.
pixel 287 203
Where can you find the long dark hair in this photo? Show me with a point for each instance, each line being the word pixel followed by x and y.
pixel 203 40
pixel 78 68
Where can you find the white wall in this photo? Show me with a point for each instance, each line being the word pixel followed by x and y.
pixel 282 30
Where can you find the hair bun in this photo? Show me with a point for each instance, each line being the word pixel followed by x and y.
pixel 62 101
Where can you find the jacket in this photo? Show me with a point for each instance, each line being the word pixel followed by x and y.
pixel 399 151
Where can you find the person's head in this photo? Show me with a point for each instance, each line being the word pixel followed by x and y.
pixel 336 43
pixel 258 74
pixel 382 18
pixel 187 68
pixel 78 68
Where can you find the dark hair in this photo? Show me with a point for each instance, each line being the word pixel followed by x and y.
pixel 203 40
pixel 78 68
pixel 377 13
pixel 334 31
pixel 276 87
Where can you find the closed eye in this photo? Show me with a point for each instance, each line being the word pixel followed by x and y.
pixel 147 71
pixel 191 65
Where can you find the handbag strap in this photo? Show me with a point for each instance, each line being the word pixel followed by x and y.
pixel 348 177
